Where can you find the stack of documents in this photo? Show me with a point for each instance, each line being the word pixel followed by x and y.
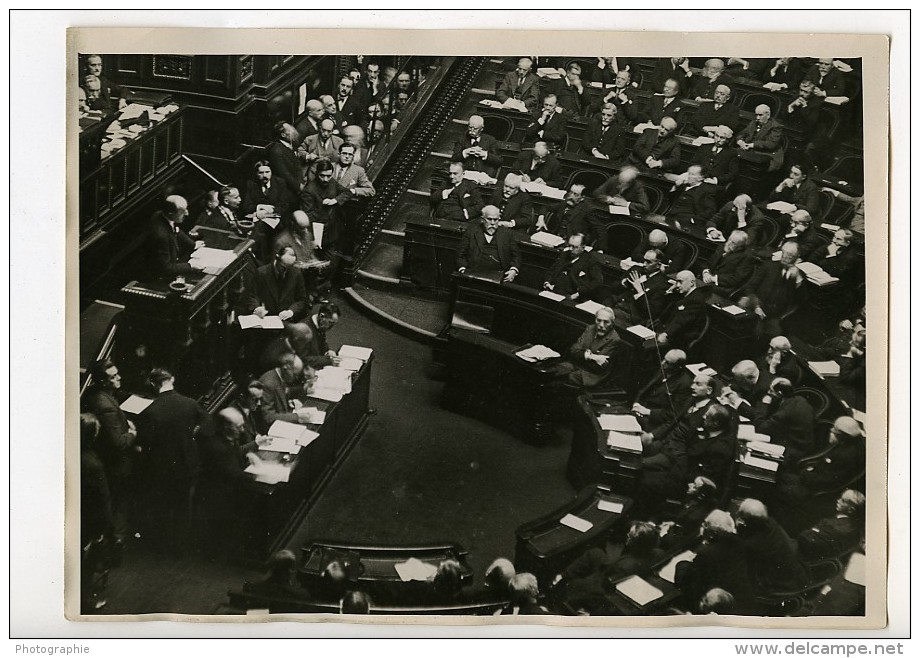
pixel 623 442
pixel 543 190
pixel 212 261
pixel 748 433
pixel 355 352
pixel 758 468
pixel 590 307
pixel 283 432
pixel 782 206
pixel 547 239
pixel 767 450
pixel 334 379
pixel 537 353
pixel 480 177
pixel 639 591
pixel 617 210
pixel 825 368
pixel 822 278
pixel 270 472
pixel 641 331
pixel 255 322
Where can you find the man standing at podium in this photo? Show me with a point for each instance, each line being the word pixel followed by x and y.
pixel 168 247
pixel 490 247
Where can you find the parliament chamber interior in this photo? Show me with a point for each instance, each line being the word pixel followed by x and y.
pixel 406 335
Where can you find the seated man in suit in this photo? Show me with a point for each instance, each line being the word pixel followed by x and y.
pixel 538 165
pixel 576 273
pixel 731 265
pixel 624 190
pixel 623 98
pixel 597 354
pixel 282 388
pixel 570 216
pixel 670 388
pixel 747 388
pixel 804 111
pixel 323 145
pixel 521 84
pixel 846 459
pixel 739 214
pixel 666 104
pixel 488 247
pixel 788 419
pixel 604 136
pixel 673 68
pixel 801 233
pixel 720 112
pixel 761 139
pixel 645 298
pixel 318 353
pixel 779 361
pixel 167 247
pixel 774 290
pixel 515 205
pixel 693 201
pixel 570 91
pixel 839 258
pixel 658 148
pixel 719 160
pixel 710 78
pixel 549 124
pixel 458 199
pixel 785 73
pixel 608 68
pixel 477 150
pixel 687 411
pixel 675 252
pixel 828 80
pixel 831 537
pixel 798 190
pixel 282 157
pixel 770 552
pixel 683 322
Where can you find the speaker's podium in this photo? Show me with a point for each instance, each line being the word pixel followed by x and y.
pixel 185 326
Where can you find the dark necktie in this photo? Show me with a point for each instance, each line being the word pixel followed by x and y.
pixel 520 81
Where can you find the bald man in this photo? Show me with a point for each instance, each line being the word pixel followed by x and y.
pixel 309 125
pixel 683 323
pixel 521 84
pixel 538 165
pixel 515 205
pixel 770 552
pixel 761 140
pixel 719 112
pixel 664 104
pixel 710 78
pixel 673 249
pixel 731 265
pixel 323 145
pixel 658 148
pixel 168 247
pixel 477 150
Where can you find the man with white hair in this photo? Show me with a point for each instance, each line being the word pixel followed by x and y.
pixel 801 232
pixel 538 165
pixel 521 84
pixel 477 150
pixel 842 463
pixel 624 190
pixel 761 139
pixel 839 258
pixel 720 112
pixel 658 148
pixel 738 214
pixel 711 77
pixel 779 361
pixel 674 250
pixel 515 205
pixel 604 137
pixel 827 79
pixel 775 290
pixel 683 323
pixel 831 537
pixel 731 265
pixel 488 247
pixel 549 123
pixel 719 159
pixel 598 353
pixel 770 552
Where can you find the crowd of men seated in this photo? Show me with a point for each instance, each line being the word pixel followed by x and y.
pixel 313 173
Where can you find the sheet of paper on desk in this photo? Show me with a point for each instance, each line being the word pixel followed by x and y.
pixel 699 141
pixel 856 570
pixel 544 190
pixel 480 177
pixel 514 104
pixel 733 309
pixel 312 415
pixel 308 437
pixel 546 239
pixel 782 206
pixel 550 73
pixel 272 322
pixel 277 444
pixel 206 257
pixel 642 127
pixel 748 433
pixel 626 442
pixel 327 394
pixel 490 102
pixel 825 368
pixel 618 210
pixel 270 473
pixel 639 590
pixel 135 404
pixel 318 230
pixel 610 506
pixel 590 306
pixel 773 450
pixel 282 429
pixel 133 111
pixel 414 569
pixel 576 523
pixel 353 365
pixel 668 571
pixel 807 268
pixel 538 353
pixel 822 278
pixel 701 369
pixel 758 462
pixel 355 352
pixel 619 423
pixel 549 294
pixel 641 331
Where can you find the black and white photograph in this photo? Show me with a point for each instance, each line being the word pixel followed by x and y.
pixel 385 327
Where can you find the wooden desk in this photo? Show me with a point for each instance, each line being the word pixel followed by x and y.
pixel 187 332
pixel 592 461
pixel 545 547
pixel 375 569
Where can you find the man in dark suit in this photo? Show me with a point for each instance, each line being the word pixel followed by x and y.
pixel 739 214
pixel 684 321
pixel 283 160
pixel 788 419
pixel 267 190
pixel 645 298
pixel 693 201
pixel 515 205
pixel 731 265
pixel 608 68
pixel 801 233
pixel 804 111
pixel 604 137
pixel 169 430
pixel 658 148
pixel 281 385
pixel 370 85
pixel 828 81
pixel 624 190
pixel 623 98
pixel 687 412
pixel 749 384
pixel 597 354
pixel 673 68
pixel 113 95
pixel 831 537
pixel 167 246
pixel 570 216
pixel 318 354
pixel 549 124
pixel 786 72
pixel 115 444
pixel 798 190
pixel 458 199
pixel 762 138
pixel 477 150
pixel 705 84
pixel 349 109
pixel 720 112
pixel 538 165
pixel 669 389
pixel 770 552
pixel 774 290
pixel 842 463
pixel 520 84
pixel 666 104
pixel 839 258
pixel 576 273
pixel 719 160
pixel 310 124
pixel 780 361
pixel 674 250
pixel 570 91
pixel 487 247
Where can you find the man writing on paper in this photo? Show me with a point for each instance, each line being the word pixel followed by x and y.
pixel 521 84
pixel 281 387
pixel 538 165
pixel 577 273
pixel 490 247
pixel 598 354
pixel 318 354
pixel 624 191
